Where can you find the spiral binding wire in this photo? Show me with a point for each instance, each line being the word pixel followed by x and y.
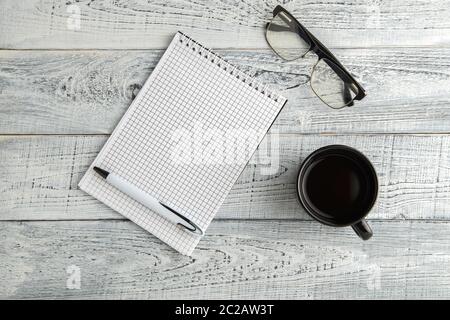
pixel 225 65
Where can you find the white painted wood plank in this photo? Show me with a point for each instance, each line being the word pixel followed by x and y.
pixel 236 259
pixel 108 24
pixel 86 92
pixel 39 177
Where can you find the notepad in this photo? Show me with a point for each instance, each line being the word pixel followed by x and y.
pixel 185 139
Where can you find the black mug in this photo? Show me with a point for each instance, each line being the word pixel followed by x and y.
pixel 338 186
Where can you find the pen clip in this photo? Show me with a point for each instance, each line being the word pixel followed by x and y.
pixel 193 227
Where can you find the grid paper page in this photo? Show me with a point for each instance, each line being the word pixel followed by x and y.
pixel 190 89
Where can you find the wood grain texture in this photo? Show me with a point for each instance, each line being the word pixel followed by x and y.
pixel 261 244
pixel 236 259
pixel 105 24
pixel 87 92
pixel 40 174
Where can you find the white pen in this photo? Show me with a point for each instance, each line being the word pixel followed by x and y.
pixel 148 201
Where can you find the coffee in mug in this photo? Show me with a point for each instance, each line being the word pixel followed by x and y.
pixel 338 186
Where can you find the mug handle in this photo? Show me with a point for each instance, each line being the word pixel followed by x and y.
pixel 362 229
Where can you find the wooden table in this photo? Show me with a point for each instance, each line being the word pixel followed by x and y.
pixel 69 71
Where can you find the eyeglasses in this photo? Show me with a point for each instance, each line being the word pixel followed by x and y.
pixel 330 81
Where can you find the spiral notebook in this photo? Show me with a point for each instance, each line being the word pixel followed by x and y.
pixel 185 139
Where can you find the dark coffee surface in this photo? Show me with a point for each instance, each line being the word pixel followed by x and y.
pixel 337 187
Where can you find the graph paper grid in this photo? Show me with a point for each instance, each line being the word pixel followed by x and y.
pixel 191 87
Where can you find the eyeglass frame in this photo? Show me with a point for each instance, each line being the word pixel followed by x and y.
pixel 322 52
